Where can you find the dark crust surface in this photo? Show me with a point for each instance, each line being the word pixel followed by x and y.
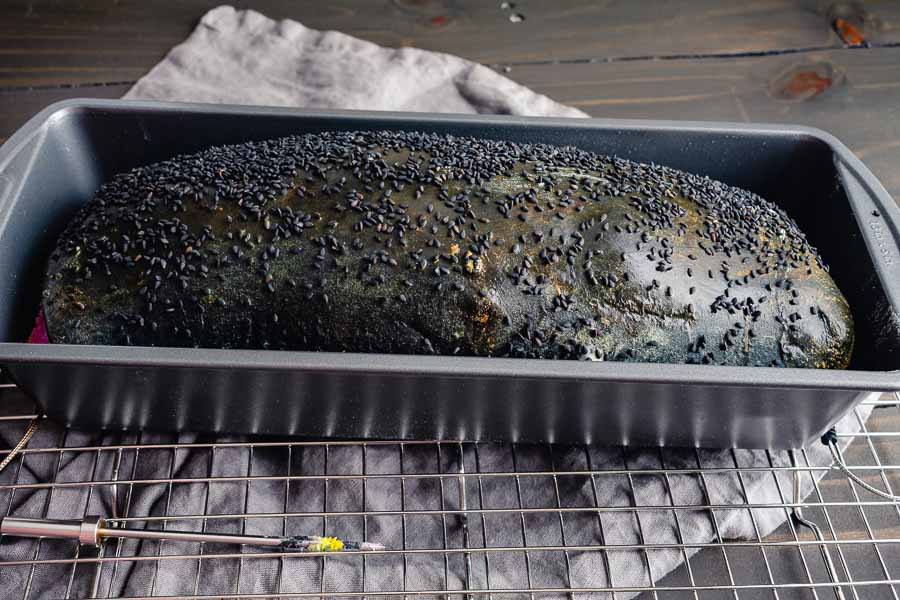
pixel 413 243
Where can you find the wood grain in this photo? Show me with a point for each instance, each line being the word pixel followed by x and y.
pixel 861 106
pixel 46 43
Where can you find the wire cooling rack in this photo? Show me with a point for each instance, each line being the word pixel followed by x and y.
pixel 843 542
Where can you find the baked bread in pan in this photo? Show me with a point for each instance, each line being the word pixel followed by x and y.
pixel 416 243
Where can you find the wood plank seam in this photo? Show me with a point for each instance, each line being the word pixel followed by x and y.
pixel 63 86
pixel 569 61
pixel 699 56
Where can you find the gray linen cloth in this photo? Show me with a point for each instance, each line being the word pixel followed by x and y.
pixel 242 57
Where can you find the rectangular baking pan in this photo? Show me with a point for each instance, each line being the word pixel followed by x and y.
pixel 55 163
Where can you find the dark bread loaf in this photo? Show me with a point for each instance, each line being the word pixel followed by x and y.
pixel 417 243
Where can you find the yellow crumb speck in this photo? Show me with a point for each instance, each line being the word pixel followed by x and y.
pixel 327 544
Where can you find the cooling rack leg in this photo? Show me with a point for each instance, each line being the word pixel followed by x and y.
pixel 464 518
pixel 800 519
pixel 114 489
pixel 98 572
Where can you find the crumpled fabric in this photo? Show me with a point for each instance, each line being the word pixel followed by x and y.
pixel 242 57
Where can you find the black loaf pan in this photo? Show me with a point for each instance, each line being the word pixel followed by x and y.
pixel 54 164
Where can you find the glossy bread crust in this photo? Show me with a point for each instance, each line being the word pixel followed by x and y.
pixel 404 242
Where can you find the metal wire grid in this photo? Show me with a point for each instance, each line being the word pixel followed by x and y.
pixel 853 550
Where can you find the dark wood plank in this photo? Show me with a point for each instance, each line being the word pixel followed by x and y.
pixel 46 42
pixel 861 106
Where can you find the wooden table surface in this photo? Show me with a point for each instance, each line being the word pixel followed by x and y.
pixel 777 61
